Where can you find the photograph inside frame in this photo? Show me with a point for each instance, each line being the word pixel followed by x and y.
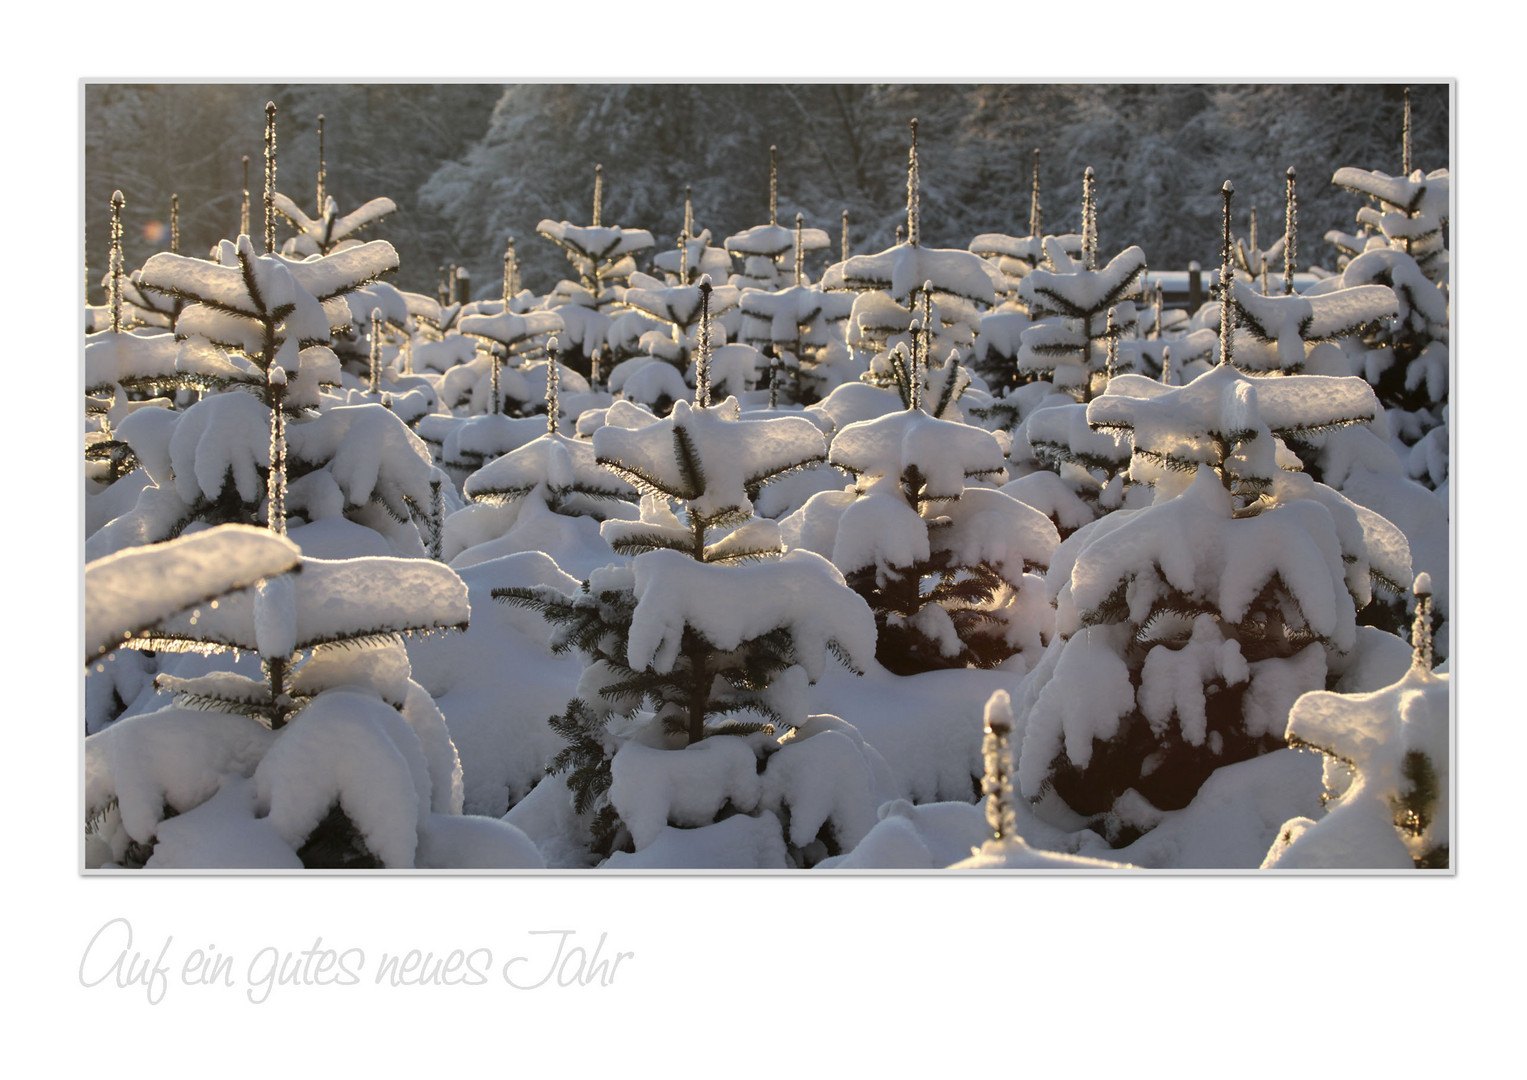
pixel 733 477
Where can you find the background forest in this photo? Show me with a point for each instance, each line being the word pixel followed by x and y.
pixel 468 164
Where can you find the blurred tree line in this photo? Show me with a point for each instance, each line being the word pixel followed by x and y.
pixel 469 164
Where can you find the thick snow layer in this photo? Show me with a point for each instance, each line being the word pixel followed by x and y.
pixel 1016 854
pixel 1027 248
pixel 381 666
pixel 680 306
pixel 1374 734
pixel 1086 690
pixel 481 533
pixel 790 310
pixel 1082 293
pixel 901 270
pixel 111 358
pixel 1419 514
pixel 222 438
pixel 1046 492
pixel 823 780
pixel 173 757
pixel 1062 432
pixel 944 452
pixel 342 271
pixel 1294 321
pixel 333 600
pixel 645 380
pixel 926 727
pixel 180 574
pixel 740 842
pixel 652 788
pixel 908 837
pixel 546 815
pixel 732 454
pixel 878 530
pixel 1425 195
pixel 223 833
pixel 510 330
pixel 350 748
pixel 370 453
pixel 497 684
pixel 727 605
pixel 453 842
pixel 855 401
pixel 774 241
pixel 814 526
pixel 600 243
pixel 1193 545
pixel 443 355
pixel 489 435
pixel 1235 816
pixel 1182 423
pixel 333 537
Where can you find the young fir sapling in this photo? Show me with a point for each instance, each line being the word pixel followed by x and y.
pixel 599 254
pixel 333 757
pixel 328 232
pixel 944 290
pixel 703 644
pixel 764 248
pixel 947 566
pixel 549 495
pixel 1185 629
pixel 1387 762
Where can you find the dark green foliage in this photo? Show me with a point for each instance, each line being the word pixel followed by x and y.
pixel 1166 770
pixel 903 649
pixel 336 844
pixel 704 684
pixel 585 758
pixel 1413 810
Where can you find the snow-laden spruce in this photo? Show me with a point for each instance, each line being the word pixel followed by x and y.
pixel 948 567
pixel 333 750
pixel 1186 629
pixel 187 572
pixel 1387 767
pixel 704 645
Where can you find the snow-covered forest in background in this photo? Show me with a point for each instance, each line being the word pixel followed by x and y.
pixel 735 477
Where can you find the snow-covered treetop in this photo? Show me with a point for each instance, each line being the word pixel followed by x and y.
pixel 185 572
pixel 1226 419
pixel 1193 553
pixel 728 605
pixel 511 330
pixel 1292 322
pixel 328 601
pixel 944 453
pixel 1396 741
pixel 1416 195
pixel 788 309
pixel 329 232
pixel 235 297
pixel 600 243
pixel 709 458
pixel 901 270
pixel 565 465
pixel 772 241
pixel 680 305
pixel 1077 293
